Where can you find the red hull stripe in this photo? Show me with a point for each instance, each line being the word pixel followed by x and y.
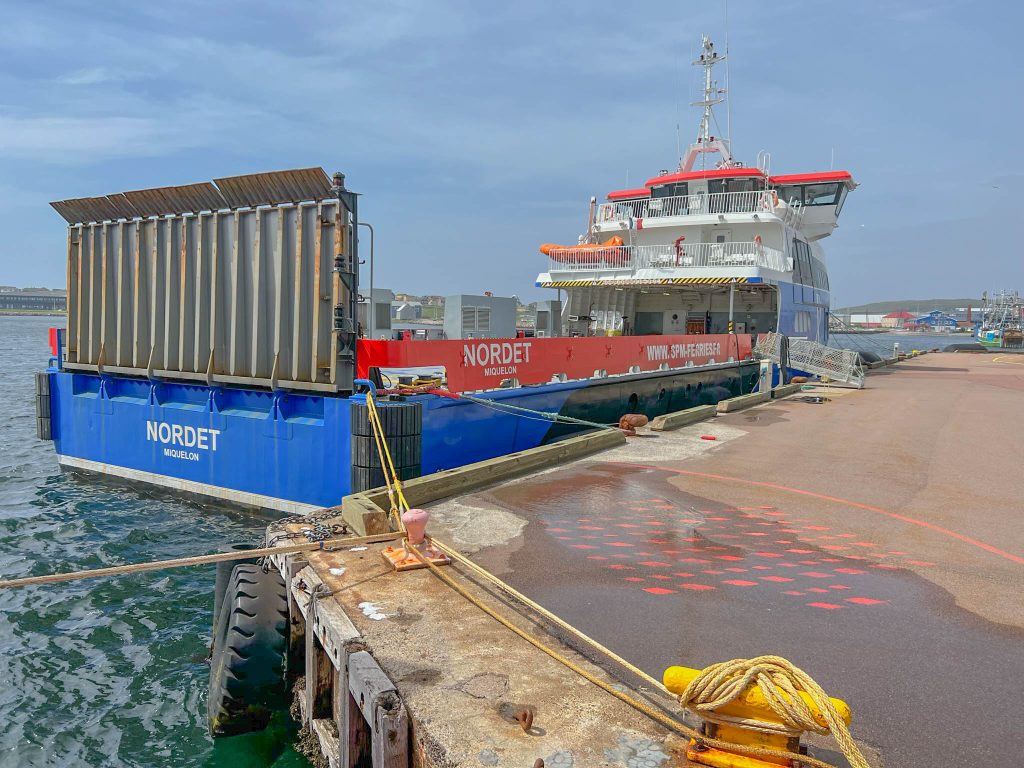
pixel 472 364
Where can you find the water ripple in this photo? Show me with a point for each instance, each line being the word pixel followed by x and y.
pixel 106 672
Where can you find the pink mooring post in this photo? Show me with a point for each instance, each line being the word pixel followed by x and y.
pixel 415 521
pixel 417 548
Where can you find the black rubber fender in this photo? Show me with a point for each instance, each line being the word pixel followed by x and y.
pixel 250 648
pixel 399 419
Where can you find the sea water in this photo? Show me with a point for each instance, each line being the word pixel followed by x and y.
pixel 112 671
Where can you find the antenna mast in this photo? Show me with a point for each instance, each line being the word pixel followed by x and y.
pixel 728 80
pixel 713 95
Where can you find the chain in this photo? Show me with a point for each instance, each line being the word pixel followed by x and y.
pixel 317 527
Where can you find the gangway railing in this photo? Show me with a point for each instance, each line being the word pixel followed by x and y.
pixel 765 201
pixel 809 356
pixel 681 256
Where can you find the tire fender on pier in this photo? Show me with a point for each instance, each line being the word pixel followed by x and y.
pixel 250 646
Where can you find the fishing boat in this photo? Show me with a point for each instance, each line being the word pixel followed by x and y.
pixel 1002 322
pixel 213 345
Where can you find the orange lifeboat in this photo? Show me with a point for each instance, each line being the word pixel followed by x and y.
pixel 609 252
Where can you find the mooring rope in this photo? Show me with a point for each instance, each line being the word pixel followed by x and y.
pixel 186 562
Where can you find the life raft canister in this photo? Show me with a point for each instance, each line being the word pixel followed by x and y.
pixel 608 251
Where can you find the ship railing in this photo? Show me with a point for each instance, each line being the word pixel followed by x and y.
pixel 790 211
pixel 761 201
pixel 682 256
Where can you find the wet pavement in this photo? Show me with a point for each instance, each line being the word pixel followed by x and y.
pixel 874 540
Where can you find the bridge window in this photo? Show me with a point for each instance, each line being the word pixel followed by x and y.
pixel 735 185
pixel 842 198
pixel 670 190
pixel 813 194
pixel 821 194
pixel 790 193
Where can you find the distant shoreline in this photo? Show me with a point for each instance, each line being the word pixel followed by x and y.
pixel 31 313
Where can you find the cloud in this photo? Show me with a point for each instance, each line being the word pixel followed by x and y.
pixel 91 76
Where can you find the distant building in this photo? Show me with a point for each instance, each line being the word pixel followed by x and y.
pixel 937 319
pixel 865 321
pixel 406 310
pixel 33 300
pixel 382 298
pixel 896 319
pixel 479 317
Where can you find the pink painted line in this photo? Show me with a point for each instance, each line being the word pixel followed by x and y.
pixel 836 500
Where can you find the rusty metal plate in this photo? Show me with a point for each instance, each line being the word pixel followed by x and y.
pixel 187 198
pixel 84 210
pixel 293 186
pixel 249 191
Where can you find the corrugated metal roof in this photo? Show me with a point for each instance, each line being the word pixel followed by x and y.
pixel 85 209
pixel 249 191
pixel 188 198
pixel 275 187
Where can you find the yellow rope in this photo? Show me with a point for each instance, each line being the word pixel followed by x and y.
pixel 781 682
pixel 374 428
pixel 387 464
pixel 553 618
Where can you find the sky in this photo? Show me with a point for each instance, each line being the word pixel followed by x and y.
pixel 476 131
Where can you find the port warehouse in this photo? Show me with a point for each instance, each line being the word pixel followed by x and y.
pixel 230 306
pixel 33 299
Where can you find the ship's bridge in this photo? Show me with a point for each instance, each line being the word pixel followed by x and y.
pixel 819 196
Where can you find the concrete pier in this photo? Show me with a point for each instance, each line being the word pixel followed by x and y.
pixel 872 538
pixel 449 681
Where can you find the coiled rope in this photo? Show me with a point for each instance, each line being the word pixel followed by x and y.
pixel 781 683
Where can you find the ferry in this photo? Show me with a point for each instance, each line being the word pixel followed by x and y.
pixel 213 346
pixel 719 248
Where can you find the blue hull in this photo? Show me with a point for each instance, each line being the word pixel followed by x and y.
pixel 291 452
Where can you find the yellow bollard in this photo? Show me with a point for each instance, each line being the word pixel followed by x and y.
pixel 751 706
